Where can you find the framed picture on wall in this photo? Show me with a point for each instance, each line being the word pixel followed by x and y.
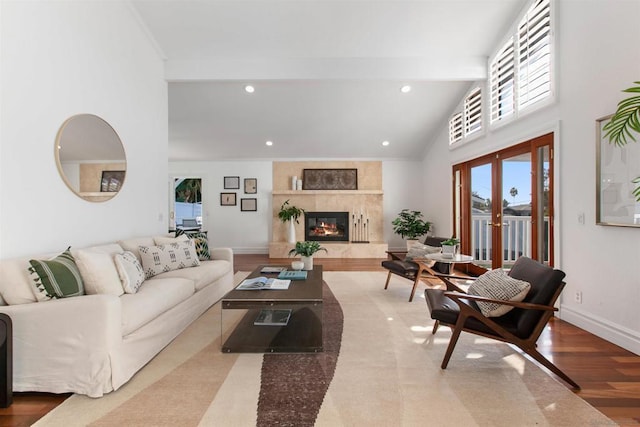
pixel 250 186
pixel 228 199
pixel 249 205
pixel 231 182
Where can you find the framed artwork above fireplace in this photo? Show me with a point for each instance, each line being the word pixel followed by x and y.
pixel 330 179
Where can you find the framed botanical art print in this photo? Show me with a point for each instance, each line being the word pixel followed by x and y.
pixel 227 199
pixel 249 205
pixel 250 186
pixel 231 182
pixel 617 176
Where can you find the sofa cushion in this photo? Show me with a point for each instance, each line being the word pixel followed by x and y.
pixel 16 283
pixel 58 277
pixel 98 269
pixel 153 298
pixel 206 273
pixel 163 258
pixel 132 245
pixel 496 284
pixel 130 271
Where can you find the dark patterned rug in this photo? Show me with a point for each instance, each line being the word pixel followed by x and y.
pixel 293 386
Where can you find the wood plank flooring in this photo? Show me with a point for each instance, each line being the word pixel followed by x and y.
pixel 609 375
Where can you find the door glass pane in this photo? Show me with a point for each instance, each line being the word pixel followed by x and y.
pixel 188 201
pixel 516 208
pixel 481 214
pixel 543 228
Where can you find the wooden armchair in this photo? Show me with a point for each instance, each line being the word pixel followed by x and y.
pixel 412 270
pixel 521 326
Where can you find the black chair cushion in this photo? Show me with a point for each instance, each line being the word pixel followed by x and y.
pixel 403 268
pixel 544 280
pixel 447 310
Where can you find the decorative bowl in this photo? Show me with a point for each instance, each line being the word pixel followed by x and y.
pixel 297 265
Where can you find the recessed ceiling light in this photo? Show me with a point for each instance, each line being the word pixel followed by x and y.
pixel 385 143
pixel 249 89
pixel 405 89
pixel 269 143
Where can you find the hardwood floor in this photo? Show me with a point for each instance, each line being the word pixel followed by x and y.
pixel 609 375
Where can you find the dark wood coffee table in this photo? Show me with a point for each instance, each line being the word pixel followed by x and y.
pixel 302 333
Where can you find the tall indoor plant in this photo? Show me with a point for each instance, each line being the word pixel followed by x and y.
pixel 410 225
pixel 306 250
pixel 290 214
pixel 624 123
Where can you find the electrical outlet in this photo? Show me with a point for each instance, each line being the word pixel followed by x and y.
pixel 581 218
pixel 578 297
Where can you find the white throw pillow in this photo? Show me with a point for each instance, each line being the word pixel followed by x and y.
pixel 421 251
pixel 496 284
pixel 98 271
pixel 163 258
pixel 130 271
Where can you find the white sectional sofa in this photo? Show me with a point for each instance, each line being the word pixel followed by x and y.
pixel 94 343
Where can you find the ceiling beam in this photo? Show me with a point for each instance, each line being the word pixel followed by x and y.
pixel 430 69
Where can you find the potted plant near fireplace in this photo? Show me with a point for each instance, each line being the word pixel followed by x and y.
pixel 288 214
pixel 306 250
pixel 410 225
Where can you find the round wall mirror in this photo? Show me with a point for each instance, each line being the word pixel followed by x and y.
pixel 90 157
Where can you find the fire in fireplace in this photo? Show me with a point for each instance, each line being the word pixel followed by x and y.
pixel 326 226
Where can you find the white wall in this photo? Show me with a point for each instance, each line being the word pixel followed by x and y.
pixel 58 59
pixel 598 56
pixel 250 232
pixel 227 226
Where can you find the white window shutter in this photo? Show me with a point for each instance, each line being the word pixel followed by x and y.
pixel 534 54
pixel 473 112
pixel 455 128
pixel 501 83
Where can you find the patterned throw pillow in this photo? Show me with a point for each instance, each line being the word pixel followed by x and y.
pixel 130 271
pixel 496 284
pixel 58 277
pixel 201 241
pixel 163 258
pixel 202 245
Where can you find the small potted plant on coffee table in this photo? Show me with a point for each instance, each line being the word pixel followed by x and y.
pixel 306 251
pixel 449 247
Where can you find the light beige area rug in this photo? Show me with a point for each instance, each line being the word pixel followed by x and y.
pixel 387 374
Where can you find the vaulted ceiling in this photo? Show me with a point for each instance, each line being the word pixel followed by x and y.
pixel 327 75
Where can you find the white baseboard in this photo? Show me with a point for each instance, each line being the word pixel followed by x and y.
pixel 619 335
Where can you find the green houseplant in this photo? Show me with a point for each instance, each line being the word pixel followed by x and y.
pixel 410 225
pixel 625 120
pixel 306 251
pixel 289 213
pixel 449 247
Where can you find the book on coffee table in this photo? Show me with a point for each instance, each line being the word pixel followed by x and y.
pixel 272 269
pixel 271 317
pixel 293 275
pixel 262 283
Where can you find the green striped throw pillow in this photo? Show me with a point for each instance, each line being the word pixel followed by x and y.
pixel 58 277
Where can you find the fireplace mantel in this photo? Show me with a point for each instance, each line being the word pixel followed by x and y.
pixel 367 200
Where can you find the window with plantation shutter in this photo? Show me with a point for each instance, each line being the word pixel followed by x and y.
pixel 473 112
pixel 455 128
pixel 502 83
pixel 534 54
